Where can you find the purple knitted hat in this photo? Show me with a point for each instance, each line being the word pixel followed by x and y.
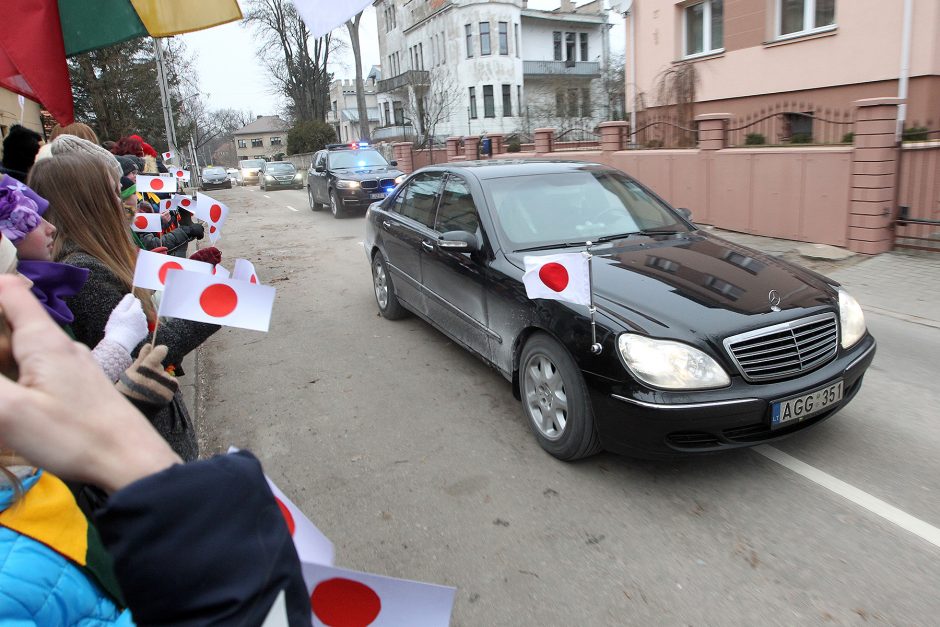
pixel 21 209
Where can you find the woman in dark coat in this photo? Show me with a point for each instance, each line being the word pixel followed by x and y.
pixel 93 233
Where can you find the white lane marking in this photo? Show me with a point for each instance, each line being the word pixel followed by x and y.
pixel 291 208
pixel 266 196
pixel 863 499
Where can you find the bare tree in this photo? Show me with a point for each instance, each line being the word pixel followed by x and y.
pixel 430 99
pixel 352 26
pixel 296 65
pixel 675 87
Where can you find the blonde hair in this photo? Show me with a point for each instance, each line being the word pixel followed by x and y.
pixel 75 128
pixel 85 207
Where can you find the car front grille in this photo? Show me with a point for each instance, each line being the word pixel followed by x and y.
pixel 785 350
pixel 369 184
pixel 384 183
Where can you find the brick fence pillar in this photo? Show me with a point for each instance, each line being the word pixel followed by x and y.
pixel 544 139
pixel 471 147
pixel 874 176
pixel 498 142
pixel 712 129
pixel 453 145
pixel 404 155
pixel 614 135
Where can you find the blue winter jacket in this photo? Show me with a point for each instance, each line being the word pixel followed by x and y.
pixel 41 587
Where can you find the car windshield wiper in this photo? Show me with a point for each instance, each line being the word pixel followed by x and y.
pixel 608 238
pixel 549 246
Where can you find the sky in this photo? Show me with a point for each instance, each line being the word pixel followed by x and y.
pixel 231 76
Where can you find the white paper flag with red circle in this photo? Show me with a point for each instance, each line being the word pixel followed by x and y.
pixel 168 155
pixel 346 597
pixel 146 223
pixel 156 184
pixel 563 277
pixel 185 202
pixel 245 271
pixel 207 298
pixel 179 174
pixel 152 268
pixel 221 272
pixel 213 213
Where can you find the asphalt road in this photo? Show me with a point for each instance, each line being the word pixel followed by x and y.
pixel 415 459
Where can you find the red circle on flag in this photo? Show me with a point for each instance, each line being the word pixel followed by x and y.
pixel 288 518
pixel 140 222
pixel 179 173
pixel 554 275
pixel 169 265
pixel 218 300
pixel 212 229
pixel 215 212
pixel 169 205
pixel 341 602
pixel 185 202
pixel 253 279
pixel 156 183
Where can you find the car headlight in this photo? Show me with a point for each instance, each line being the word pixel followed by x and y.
pixel 347 184
pixel 670 365
pixel 851 319
pixel 268 177
pixel 297 176
pixel 399 179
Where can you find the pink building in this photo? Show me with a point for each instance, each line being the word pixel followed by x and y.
pixel 802 56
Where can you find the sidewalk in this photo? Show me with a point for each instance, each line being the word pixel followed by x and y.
pixel 903 285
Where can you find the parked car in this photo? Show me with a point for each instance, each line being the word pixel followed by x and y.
pixel 250 169
pixel 347 177
pixel 214 177
pixel 280 175
pixel 705 345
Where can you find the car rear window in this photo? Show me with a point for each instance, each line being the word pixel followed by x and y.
pixel 250 163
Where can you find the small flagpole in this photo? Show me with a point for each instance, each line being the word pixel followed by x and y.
pixel 153 340
pixel 596 348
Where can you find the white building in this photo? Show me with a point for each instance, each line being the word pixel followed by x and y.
pixel 471 67
pixel 343 115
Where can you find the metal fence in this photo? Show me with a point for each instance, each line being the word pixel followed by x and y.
pixel 789 124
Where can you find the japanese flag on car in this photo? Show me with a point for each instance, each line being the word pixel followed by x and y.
pixel 346 597
pixel 207 298
pixel 156 184
pixel 212 212
pixel 245 271
pixel 563 277
pixel 168 155
pixel 152 268
pixel 146 223
pixel 180 174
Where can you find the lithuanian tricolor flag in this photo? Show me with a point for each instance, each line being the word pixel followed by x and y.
pixel 37 35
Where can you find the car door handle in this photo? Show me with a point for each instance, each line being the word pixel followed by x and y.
pixel 386 225
pixel 428 246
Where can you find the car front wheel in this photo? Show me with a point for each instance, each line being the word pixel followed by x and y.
pixel 336 205
pixel 385 297
pixel 555 400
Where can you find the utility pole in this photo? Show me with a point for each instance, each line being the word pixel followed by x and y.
pixel 165 96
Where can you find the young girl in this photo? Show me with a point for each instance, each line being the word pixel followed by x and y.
pixel 93 233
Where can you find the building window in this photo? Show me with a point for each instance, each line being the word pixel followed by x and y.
pixel 242 143
pixel 572 103
pixel 484 38
pixel 275 141
pixel 515 29
pixel 473 103
pixel 443 49
pixel 569 47
pixel 469 29
pixel 258 142
pixel 503 38
pixel 584 46
pixel 507 101
pixel 388 113
pixel 704 27
pixel 519 98
pixel 489 106
pixel 799 17
pixel 586 103
pixel 421 56
pixel 560 103
pixel 556 38
pixel 399 113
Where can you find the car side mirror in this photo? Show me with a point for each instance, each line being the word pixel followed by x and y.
pixel 319 168
pixel 393 163
pixel 685 213
pixel 459 241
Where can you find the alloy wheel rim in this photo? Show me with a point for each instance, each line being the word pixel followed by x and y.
pixel 545 399
pixel 381 284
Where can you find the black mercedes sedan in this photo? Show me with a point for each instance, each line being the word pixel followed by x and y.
pixel 701 345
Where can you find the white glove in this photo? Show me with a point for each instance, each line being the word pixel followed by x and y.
pixel 127 324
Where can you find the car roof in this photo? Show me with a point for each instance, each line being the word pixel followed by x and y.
pixel 502 168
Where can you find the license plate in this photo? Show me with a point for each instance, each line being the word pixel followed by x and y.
pixel 378 196
pixel 805 406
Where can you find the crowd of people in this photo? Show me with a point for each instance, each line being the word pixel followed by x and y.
pixel 106 516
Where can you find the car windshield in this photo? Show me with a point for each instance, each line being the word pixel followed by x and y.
pixel 250 163
pixel 213 171
pixel 548 209
pixel 280 168
pixel 355 159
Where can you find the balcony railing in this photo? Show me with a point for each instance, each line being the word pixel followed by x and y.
pixel 415 78
pixel 587 69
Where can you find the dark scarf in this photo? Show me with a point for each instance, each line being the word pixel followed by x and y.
pixel 52 284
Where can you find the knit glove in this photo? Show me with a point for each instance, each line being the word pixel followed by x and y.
pixel 146 382
pixel 207 255
pixel 127 324
pixel 196 231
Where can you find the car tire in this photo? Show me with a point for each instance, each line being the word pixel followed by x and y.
pixel 555 400
pixel 384 289
pixel 336 206
pixel 314 205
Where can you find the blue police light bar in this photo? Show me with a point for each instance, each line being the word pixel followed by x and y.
pixel 363 144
